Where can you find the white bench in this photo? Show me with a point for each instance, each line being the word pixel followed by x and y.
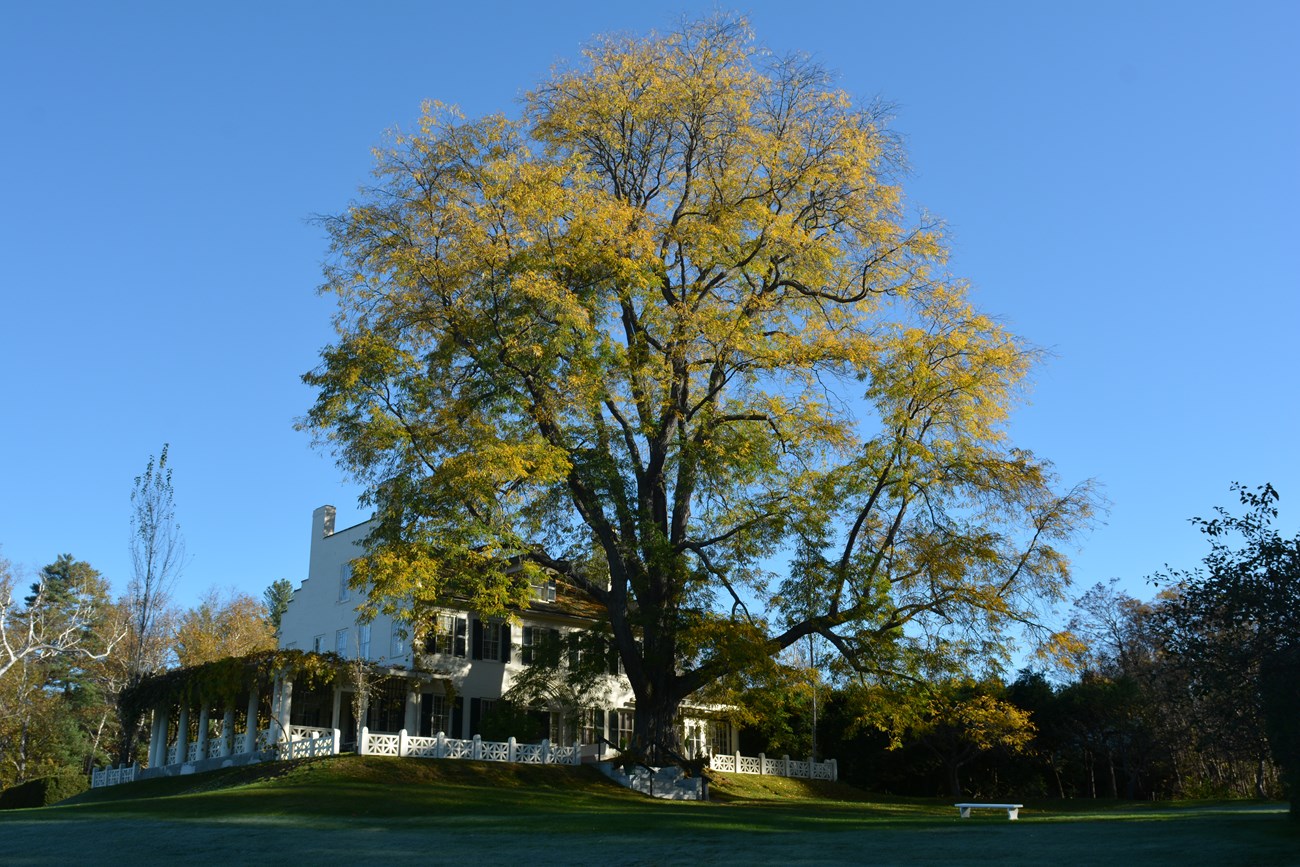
pixel 1013 810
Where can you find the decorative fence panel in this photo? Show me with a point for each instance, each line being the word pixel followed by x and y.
pixel 443 747
pixel 494 751
pixel 782 767
pixel 529 754
pixel 457 748
pixel 567 755
pixel 423 748
pixel 304 742
pixel 112 776
pixel 307 748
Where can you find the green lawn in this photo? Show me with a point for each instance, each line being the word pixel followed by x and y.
pixel 352 810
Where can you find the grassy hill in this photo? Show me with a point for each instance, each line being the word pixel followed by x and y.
pixel 350 808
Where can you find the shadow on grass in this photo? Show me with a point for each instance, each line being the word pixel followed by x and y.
pixel 338 810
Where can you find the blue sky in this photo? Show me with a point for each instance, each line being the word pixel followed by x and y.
pixel 1120 180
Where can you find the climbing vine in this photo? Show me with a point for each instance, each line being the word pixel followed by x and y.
pixel 225 681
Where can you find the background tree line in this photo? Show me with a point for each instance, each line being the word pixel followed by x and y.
pixel 1190 694
pixel 59 703
pixel 69 649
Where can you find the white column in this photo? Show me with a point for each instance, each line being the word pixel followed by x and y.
pixel 286 708
pixel 273 725
pixel 158 738
pixel 182 734
pixel 412 709
pixel 250 723
pixel 203 730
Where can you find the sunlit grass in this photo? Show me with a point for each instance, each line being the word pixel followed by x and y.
pixel 351 808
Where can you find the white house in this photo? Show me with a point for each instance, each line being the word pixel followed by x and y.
pixel 452 683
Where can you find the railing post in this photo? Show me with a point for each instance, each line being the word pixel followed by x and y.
pixel 785 766
pixel 835 770
pixel 577 751
pixel 762 763
pixel 440 748
pixel 476 752
pixel 737 767
pixel 546 751
pixel 361 740
pixel 401 743
pixel 338 739
pixel 511 747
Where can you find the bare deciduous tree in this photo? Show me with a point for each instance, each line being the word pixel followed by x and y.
pixel 157 558
pixel 31 631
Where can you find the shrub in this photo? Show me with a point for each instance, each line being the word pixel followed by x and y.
pixel 43 791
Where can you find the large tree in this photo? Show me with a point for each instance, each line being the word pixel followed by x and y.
pixel 649 335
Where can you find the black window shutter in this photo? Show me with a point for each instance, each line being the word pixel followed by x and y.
pixel 426 712
pixel 458 718
pixel 541 723
pixel 460 637
pixel 574 653
pixel 477 641
pixel 475 714
pixel 505 642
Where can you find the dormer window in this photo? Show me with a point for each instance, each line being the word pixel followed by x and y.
pixel 545 591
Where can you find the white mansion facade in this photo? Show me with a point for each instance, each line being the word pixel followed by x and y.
pixel 451 684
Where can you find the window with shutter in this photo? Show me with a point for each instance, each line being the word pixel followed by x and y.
pixel 448 636
pixel 526 646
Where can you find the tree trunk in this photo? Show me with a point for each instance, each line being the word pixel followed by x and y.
pixel 656 734
pixel 130 733
pixel 954 779
pixel 89 764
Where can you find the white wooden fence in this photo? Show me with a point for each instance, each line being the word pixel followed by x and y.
pixel 443 747
pixel 112 776
pixel 303 742
pixel 782 767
